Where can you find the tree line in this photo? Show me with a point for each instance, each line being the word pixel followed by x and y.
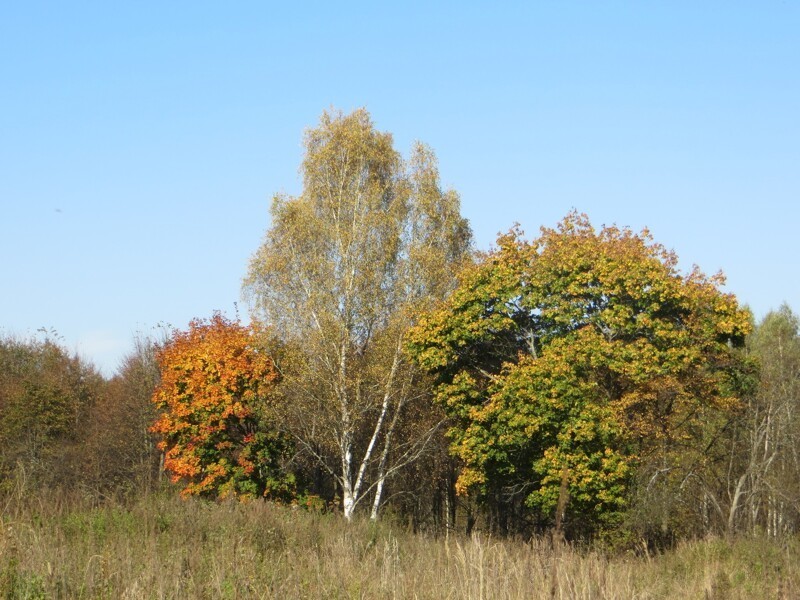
pixel 577 380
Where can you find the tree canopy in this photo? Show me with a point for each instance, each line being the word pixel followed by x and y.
pixel 570 361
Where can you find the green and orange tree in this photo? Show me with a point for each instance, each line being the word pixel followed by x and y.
pixel 217 414
pixel 573 363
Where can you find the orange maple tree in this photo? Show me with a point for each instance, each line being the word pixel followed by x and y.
pixel 217 417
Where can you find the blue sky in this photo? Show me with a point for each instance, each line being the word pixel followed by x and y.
pixel 140 143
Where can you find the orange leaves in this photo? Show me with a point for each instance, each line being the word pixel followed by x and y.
pixel 215 398
pixel 211 366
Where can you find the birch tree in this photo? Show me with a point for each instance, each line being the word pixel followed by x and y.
pixel 344 268
pixel 763 480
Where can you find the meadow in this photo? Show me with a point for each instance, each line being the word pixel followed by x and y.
pixel 160 546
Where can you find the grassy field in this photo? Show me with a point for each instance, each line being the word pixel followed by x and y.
pixel 163 547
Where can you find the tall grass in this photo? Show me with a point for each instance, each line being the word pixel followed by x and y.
pixel 162 547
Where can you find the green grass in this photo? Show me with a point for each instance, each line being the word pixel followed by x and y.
pixel 162 547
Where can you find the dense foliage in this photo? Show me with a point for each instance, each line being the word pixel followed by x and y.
pixel 214 396
pixel 46 398
pixel 62 425
pixel 569 362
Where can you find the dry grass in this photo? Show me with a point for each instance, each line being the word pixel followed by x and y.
pixel 162 547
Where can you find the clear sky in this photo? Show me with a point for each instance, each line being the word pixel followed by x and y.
pixel 141 143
